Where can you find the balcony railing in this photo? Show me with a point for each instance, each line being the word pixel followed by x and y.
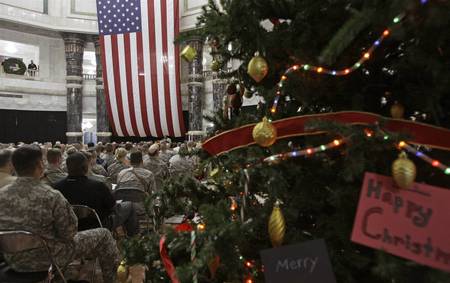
pixel 89 77
pixel 29 75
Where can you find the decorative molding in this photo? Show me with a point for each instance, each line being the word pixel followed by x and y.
pixel 74 86
pixel 74 78
pixel 104 134
pixel 28 9
pixel 11 95
pixel 74 134
pixel 75 12
pixel 189 11
pixel 198 84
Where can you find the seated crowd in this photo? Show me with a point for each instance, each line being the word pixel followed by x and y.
pixel 39 184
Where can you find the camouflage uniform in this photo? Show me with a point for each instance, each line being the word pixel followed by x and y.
pixel 139 178
pixel 158 168
pixel 28 204
pixel 108 158
pixel 99 170
pixel 166 155
pixel 6 179
pixel 180 165
pixel 53 175
pixel 115 169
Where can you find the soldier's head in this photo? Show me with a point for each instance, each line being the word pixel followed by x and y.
pixel 153 150
pixel 109 148
pixel 136 159
pixel 5 161
pixel 77 164
pixel 91 157
pixel 27 161
pixel 54 156
pixel 121 154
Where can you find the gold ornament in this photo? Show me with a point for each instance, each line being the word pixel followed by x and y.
pixel 264 133
pixel 258 68
pixel 403 171
pixel 188 53
pixel 397 110
pixel 215 65
pixel 122 272
pixel 277 226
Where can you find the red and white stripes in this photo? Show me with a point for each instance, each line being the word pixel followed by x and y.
pixel 141 74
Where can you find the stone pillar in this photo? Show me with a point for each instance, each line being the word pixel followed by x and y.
pixel 103 129
pixel 195 86
pixel 74 47
pixel 219 87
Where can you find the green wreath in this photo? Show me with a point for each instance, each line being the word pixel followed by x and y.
pixel 14 66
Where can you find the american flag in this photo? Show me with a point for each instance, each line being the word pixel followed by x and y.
pixel 141 68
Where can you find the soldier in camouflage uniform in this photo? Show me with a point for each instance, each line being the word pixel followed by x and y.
pixel 155 165
pixel 28 204
pixel 91 174
pixel 53 172
pixel 136 176
pixel 119 165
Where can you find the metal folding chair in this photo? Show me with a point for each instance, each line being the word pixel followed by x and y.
pixel 85 212
pixel 130 194
pixel 138 197
pixel 13 242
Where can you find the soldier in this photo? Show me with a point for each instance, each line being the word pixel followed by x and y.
pixel 120 164
pixel 6 168
pixel 108 156
pixel 155 165
pixel 28 204
pixel 91 174
pixel 81 190
pixel 95 166
pixel 180 164
pixel 53 172
pixel 165 153
pixel 136 176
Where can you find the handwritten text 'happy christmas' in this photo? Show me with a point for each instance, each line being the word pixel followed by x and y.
pixel 408 223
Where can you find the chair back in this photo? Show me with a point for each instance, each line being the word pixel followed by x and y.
pixel 85 213
pixel 130 194
pixel 12 242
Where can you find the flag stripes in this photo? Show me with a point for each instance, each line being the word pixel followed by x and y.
pixel 141 68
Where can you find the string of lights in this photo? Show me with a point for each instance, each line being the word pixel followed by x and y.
pixel 433 162
pixel 273 159
pixel 337 72
pixel 303 152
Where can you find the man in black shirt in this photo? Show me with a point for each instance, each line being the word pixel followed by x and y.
pixel 78 189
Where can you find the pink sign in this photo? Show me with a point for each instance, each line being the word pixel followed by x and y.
pixel 413 223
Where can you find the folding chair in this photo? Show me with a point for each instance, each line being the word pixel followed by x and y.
pixel 136 196
pixel 84 212
pixel 130 194
pixel 13 242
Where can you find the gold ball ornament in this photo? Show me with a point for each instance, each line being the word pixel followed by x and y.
pixel 264 133
pixel 215 65
pixel 258 68
pixel 188 53
pixel 277 226
pixel 397 111
pixel 122 272
pixel 403 171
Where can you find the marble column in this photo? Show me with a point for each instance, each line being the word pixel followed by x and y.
pixel 195 86
pixel 103 129
pixel 74 48
pixel 219 87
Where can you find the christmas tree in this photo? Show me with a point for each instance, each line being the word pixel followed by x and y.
pixel 383 57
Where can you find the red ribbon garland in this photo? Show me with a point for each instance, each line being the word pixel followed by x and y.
pixel 168 264
pixel 420 133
